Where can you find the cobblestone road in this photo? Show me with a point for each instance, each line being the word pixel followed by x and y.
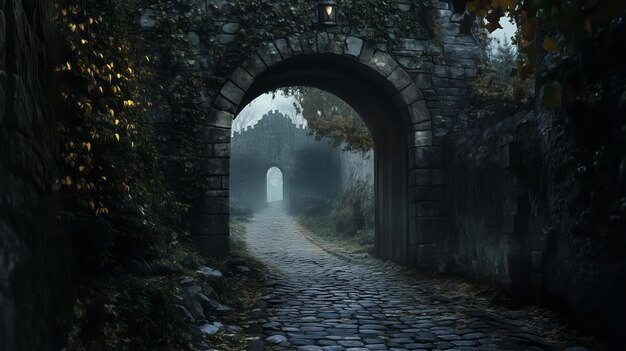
pixel 321 302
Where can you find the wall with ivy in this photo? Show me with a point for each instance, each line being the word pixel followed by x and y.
pixel 420 37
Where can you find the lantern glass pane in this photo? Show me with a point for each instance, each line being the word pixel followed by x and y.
pixel 329 11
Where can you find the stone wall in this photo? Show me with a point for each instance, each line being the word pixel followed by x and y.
pixel 32 252
pixel 534 211
pixel 418 79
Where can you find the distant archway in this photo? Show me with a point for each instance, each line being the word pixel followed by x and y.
pixel 275 184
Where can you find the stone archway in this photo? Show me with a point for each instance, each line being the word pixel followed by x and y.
pixel 392 106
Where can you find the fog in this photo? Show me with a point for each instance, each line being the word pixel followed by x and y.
pixel 276 161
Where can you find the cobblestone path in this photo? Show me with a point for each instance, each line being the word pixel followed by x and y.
pixel 321 302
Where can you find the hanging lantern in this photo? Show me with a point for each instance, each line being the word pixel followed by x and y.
pixel 327 12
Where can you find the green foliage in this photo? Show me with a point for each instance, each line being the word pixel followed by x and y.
pixel 113 189
pixel 330 117
pixel 503 61
pixel 550 32
pixel 129 313
pixel 351 222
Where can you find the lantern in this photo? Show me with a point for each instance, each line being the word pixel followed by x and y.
pixel 327 12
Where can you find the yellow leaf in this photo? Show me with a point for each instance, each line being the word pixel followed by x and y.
pixel 112 113
pixel 117 121
pixel 117 136
pixel 549 44
pixel 88 146
pixel 68 180
pixel 83 41
pixel 81 168
pixel 69 66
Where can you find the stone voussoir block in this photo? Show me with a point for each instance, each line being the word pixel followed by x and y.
pixel 254 65
pixel 232 92
pixel 419 112
pixel 215 135
pixel 397 81
pixel 382 63
pixel 219 118
pixel 353 46
pixel 295 45
pixel 242 78
pixel 282 45
pixel 270 55
pixel 408 96
pixel 421 138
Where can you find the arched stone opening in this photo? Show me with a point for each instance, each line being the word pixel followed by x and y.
pixel 392 107
pixel 274 180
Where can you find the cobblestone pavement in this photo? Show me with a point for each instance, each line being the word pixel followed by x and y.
pixel 320 302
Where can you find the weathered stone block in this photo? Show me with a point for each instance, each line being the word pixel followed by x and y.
pixel 422 126
pixel 418 177
pixel 230 28
pixel 270 55
pixel 225 105
pixel 295 45
pixel 254 65
pixel 219 118
pixel 232 92
pixel 398 81
pixel 212 134
pixel 367 52
pixel 283 48
pixel 422 138
pixel 211 206
pixel 422 80
pixel 309 43
pixel 222 150
pixel 217 166
pixel 419 112
pixel 408 96
pixel 457 73
pixel 383 63
pixel 353 46
pixel 441 71
pixel 427 157
pixel 414 45
pixel 242 78
pixel 324 43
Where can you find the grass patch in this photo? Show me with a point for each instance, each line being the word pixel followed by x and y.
pixel 324 227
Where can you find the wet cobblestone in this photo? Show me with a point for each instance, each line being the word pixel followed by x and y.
pixel 321 302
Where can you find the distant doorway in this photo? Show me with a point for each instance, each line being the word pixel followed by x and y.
pixel 274 185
